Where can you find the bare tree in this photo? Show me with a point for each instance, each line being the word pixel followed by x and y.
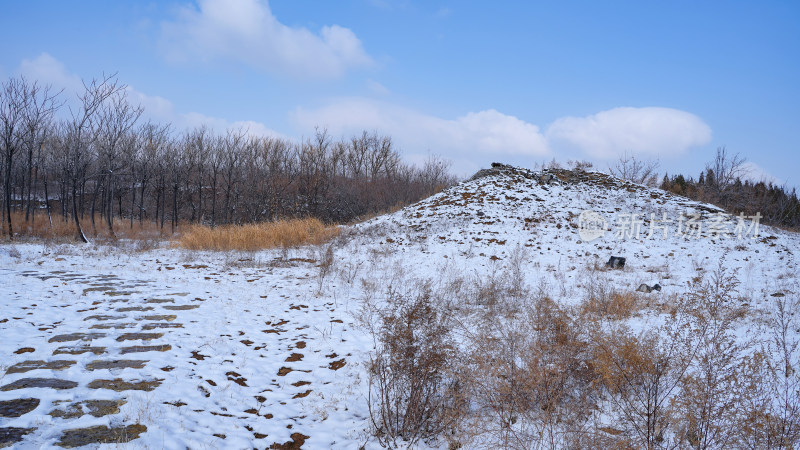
pixel 632 169
pixel 116 118
pixel 25 109
pixel 724 169
pixel 81 136
pixel 13 104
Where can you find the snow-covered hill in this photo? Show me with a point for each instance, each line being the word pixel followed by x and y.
pixel 479 223
pixel 167 348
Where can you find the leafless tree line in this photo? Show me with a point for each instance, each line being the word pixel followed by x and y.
pixel 103 163
pixel 724 182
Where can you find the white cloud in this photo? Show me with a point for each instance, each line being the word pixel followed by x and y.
pixel 248 32
pixel 650 131
pixel 753 172
pixel 377 88
pixel 49 71
pixel 484 133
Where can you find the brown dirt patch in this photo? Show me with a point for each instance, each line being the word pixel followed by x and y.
pixel 294 357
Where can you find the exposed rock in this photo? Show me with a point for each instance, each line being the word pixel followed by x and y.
pixel 52 383
pixel 79 350
pixel 118 385
pixel 116 364
pixel 100 434
pixel 18 407
pixel 97 408
pixel 26 366
pixel 139 336
pixel 616 262
pixel 647 289
pixel 180 307
pixel 145 348
pixel 12 435
pixel 76 337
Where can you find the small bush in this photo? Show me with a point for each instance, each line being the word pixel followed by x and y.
pixel 615 306
pixel 283 234
pixel 411 396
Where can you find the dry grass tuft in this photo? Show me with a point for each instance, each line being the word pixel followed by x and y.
pixel 617 306
pixel 283 233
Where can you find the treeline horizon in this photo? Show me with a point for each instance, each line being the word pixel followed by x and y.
pixel 723 183
pixel 104 161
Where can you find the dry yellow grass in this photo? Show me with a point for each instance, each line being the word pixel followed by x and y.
pixel 283 233
pixel 38 226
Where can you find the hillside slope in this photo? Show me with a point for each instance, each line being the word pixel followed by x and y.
pixel 479 223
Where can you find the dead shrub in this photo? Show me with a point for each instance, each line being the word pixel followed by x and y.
pixel 528 377
pixel 412 396
pixel 731 394
pixel 252 237
pixel 615 305
pixel 640 375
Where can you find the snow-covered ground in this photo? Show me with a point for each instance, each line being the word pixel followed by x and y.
pixel 168 348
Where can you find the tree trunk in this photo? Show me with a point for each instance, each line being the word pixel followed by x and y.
pixel 78 231
pixel 110 210
pixel 47 203
pixel 7 188
pixel 133 201
pixel 174 207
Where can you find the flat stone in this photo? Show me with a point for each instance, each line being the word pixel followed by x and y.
pixel 180 307
pixel 26 366
pixel 12 435
pixel 100 434
pixel 119 293
pixel 135 308
pixel 160 300
pixel 116 364
pixel 115 326
pixel 76 337
pixel 97 289
pixel 104 317
pixel 97 408
pixel 18 407
pixel 25 350
pixel 52 383
pixel 145 348
pixel 119 384
pixel 79 350
pixel 166 317
pixel 153 326
pixel 139 336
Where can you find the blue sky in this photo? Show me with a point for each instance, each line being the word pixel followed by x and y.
pixel 475 82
